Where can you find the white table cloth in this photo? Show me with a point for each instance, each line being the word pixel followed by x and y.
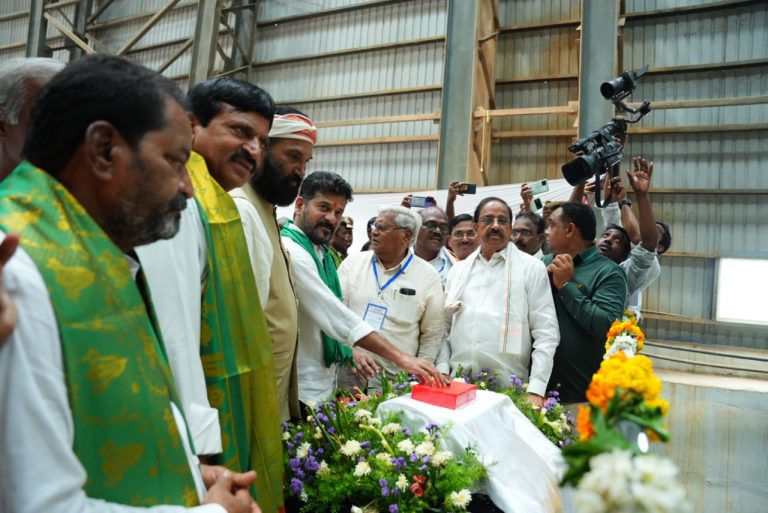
pixel 524 467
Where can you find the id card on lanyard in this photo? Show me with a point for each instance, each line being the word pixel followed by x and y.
pixel 376 314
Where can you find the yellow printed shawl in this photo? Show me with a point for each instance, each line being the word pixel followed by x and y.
pixel 119 385
pixel 235 346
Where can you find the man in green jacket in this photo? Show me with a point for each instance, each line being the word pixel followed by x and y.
pixel 589 291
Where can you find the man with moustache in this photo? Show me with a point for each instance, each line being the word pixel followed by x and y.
pixel 528 233
pixel 291 139
pixel 589 292
pixel 463 240
pixel 398 294
pixel 218 343
pixel 430 242
pixel 329 332
pixel 501 311
pixel 89 406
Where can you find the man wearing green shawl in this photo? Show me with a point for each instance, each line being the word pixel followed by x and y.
pixel 225 360
pixel 91 418
pixel 328 330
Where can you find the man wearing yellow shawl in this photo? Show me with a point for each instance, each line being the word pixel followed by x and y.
pixel 220 350
pixel 91 419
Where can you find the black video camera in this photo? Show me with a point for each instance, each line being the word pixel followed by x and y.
pixel 602 150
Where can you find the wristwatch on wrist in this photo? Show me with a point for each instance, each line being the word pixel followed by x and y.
pixel 625 202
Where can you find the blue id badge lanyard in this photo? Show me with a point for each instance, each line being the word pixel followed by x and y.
pixel 375 314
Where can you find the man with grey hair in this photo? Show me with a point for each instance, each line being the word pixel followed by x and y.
pixel 21 81
pixel 399 295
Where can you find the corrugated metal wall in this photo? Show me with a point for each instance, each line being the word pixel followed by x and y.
pixel 712 185
pixel 347 65
pixel 14 22
pixel 537 65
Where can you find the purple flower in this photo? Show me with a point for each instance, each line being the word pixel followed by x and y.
pixel 432 427
pixel 414 457
pixel 331 430
pixel 549 404
pixel 385 492
pixel 365 444
pixel 423 468
pixel 399 463
pixel 294 463
pixel 396 492
pixel 553 393
pixel 515 381
pixel 297 438
pixel 425 459
pixel 393 508
pixel 296 486
pixel 311 464
pixel 406 431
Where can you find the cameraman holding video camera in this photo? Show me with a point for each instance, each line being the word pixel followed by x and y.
pixel 648 237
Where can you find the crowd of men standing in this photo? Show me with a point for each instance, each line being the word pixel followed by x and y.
pixel 158 323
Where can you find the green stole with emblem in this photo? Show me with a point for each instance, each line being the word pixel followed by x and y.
pixel 333 350
pixel 118 381
pixel 235 346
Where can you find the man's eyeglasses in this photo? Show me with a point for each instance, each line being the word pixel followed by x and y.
pixel 384 229
pixel 432 226
pixel 489 220
pixel 458 234
pixel 521 233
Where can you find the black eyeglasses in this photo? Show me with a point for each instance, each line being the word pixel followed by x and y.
pixel 432 226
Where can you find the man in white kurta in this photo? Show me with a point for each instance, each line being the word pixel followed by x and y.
pixel 399 294
pixel 499 308
pixel 36 427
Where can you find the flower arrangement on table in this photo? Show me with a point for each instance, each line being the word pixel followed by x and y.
pixel 552 419
pixel 608 464
pixel 343 456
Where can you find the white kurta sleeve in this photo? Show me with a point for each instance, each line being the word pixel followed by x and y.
pixel 545 330
pixel 36 427
pixel 432 325
pixel 318 302
pixel 259 247
pixel 175 270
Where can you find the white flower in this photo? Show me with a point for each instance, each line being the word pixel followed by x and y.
pixel 310 418
pixel 618 482
pixel 391 395
pixel 402 482
pixel 286 436
pixel 441 458
pixel 384 458
pixel 406 446
pixel 303 496
pixel 460 380
pixel 303 450
pixel 374 421
pixel 362 414
pixel 362 469
pixel 312 404
pixel 318 433
pixel 461 499
pixel 350 448
pixel 323 470
pixel 355 509
pixel 426 448
pixel 391 429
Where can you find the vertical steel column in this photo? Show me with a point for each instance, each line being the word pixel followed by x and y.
pixel 244 37
pixel 599 30
pixel 36 30
pixel 206 38
pixel 458 82
pixel 82 12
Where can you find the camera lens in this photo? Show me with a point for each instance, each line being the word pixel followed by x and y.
pixel 612 88
pixel 580 169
